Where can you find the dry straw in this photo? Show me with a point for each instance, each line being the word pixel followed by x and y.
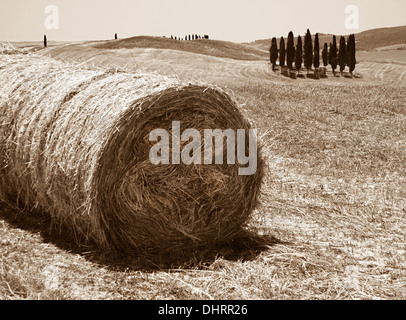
pixel 74 143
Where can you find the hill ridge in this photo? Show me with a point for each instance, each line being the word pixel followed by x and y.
pixel 367 40
pixel 217 48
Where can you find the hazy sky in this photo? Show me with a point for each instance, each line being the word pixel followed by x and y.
pixel 234 20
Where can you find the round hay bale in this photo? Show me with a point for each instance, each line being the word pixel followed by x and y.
pixel 74 143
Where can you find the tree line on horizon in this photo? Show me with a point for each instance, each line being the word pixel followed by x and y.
pixel 190 37
pixel 309 55
pixel 187 37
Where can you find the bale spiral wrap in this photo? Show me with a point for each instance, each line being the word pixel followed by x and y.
pixel 74 143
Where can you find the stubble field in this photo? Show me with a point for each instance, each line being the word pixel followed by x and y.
pixel 332 216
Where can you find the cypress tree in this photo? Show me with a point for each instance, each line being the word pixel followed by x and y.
pixel 330 50
pixel 273 53
pixel 299 54
pixel 351 53
pixel 354 51
pixel 333 55
pixel 342 55
pixel 308 51
pixel 282 53
pixel 316 58
pixel 290 51
pixel 45 41
pixel 115 36
pixel 325 55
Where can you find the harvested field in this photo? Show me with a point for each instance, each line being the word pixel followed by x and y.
pixel 332 212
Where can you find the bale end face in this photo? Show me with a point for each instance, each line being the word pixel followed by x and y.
pixel 165 206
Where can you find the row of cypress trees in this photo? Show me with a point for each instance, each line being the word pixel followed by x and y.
pixel 191 37
pixel 309 55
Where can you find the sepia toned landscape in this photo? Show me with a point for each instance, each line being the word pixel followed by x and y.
pixel 331 216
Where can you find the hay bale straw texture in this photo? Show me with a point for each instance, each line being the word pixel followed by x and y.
pixel 74 143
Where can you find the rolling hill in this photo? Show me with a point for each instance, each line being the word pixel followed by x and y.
pixel 264 44
pixel 222 49
pixel 377 38
pixel 371 40
pixel 366 41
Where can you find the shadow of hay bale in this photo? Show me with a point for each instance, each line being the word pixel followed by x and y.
pixel 86 136
pixel 245 246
